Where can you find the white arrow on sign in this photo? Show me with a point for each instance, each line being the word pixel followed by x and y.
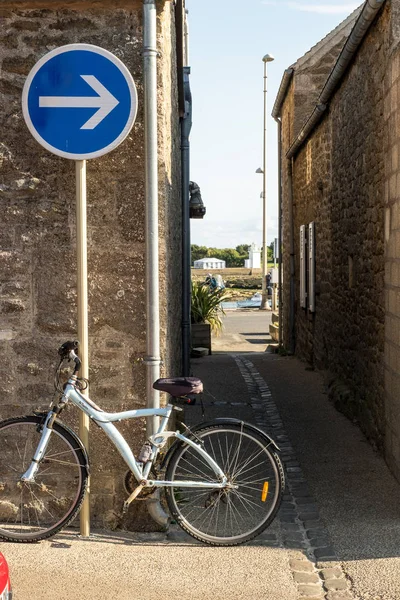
pixel 105 102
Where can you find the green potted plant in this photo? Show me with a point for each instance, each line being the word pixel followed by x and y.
pixel 206 313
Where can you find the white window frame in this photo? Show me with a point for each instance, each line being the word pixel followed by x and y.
pixel 311 266
pixel 303 292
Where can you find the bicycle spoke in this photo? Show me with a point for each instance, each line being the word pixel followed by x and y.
pixel 229 458
pixel 37 516
pixel 250 502
pixel 63 462
pixel 13 468
pixel 234 512
pixel 19 454
pixel 196 499
pixel 248 461
pixel 48 456
pixel 42 504
pixel 191 466
pixel 245 482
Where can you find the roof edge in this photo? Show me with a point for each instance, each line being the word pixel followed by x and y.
pixel 283 88
pixel 361 27
pixel 348 22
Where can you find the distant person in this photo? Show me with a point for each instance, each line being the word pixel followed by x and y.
pixel 219 282
pixel 211 281
pixel 268 284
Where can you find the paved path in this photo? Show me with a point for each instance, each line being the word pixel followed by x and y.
pixel 337 536
pixel 244 331
pixel 357 497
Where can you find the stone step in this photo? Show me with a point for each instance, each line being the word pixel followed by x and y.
pixel 274 331
pixel 198 352
pixel 275 318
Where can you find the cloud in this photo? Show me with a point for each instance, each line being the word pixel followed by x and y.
pixel 322 9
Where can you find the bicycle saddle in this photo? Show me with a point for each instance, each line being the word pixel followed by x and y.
pixel 179 386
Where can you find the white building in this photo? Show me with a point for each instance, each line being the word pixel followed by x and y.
pixel 209 263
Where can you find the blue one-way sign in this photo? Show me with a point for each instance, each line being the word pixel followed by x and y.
pixel 79 101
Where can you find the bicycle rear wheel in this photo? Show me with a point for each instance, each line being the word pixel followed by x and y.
pixel 234 515
pixel 36 510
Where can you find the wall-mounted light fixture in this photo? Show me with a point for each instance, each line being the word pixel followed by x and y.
pixel 197 210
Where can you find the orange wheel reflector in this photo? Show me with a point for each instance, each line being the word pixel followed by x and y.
pixel 264 491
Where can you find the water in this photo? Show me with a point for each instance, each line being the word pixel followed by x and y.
pixel 228 305
pixel 243 304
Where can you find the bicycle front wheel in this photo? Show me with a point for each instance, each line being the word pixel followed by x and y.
pixel 33 511
pixel 238 513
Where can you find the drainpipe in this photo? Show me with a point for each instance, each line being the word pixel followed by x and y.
pixel 186 37
pixel 363 23
pixel 280 287
pixel 292 333
pixel 186 125
pixel 152 359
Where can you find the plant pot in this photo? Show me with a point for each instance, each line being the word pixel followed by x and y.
pixel 201 335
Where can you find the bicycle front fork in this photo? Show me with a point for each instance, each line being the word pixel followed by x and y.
pixel 47 428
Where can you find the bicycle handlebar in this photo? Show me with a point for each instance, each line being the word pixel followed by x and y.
pixel 68 350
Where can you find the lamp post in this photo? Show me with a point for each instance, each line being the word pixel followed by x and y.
pixel 264 300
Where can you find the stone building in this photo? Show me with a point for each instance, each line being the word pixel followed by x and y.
pixel 338 112
pixel 38 233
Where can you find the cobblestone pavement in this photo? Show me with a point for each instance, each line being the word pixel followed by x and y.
pixel 312 559
pixel 340 518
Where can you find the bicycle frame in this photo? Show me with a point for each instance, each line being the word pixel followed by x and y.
pixel 105 420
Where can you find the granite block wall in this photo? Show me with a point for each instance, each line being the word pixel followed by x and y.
pixel 392 254
pixel 38 233
pixel 339 183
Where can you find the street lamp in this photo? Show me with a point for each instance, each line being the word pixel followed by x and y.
pixel 264 300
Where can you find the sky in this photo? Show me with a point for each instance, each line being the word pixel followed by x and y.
pixel 227 40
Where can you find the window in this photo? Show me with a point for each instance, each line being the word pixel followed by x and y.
pixel 307 266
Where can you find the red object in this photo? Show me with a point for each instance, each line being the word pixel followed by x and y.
pixel 5 586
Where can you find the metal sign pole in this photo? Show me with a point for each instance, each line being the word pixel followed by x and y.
pixel 81 251
pixel 50 88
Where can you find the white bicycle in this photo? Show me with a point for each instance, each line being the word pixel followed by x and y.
pixel 223 479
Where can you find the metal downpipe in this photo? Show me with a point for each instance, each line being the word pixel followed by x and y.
pixel 280 286
pixel 292 332
pixel 186 126
pixel 363 23
pixel 152 359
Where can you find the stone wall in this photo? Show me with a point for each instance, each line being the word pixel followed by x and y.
pixel 358 166
pixel 72 4
pixel 392 247
pixel 312 185
pixel 37 234
pixel 338 183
